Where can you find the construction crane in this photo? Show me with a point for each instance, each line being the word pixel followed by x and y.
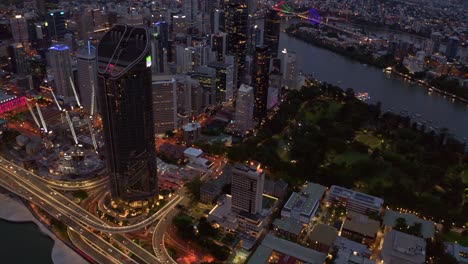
pixel 74 92
pixel 70 124
pixel 41 118
pixel 33 115
pixel 55 99
pixel 91 131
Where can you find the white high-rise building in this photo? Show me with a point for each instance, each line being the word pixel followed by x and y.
pixel 244 108
pixel 184 58
pixel 87 74
pixel 289 69
pixel 247 188
pixel 62 69
pixel 19 29
pixel 164 103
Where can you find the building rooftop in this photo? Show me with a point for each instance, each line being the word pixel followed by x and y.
pixel 274 244
pixel 401 248
pixel 252 169
pixel 427 229
pixel 223 215
pixel 361 224
pixel 342 243
pixel 289 225
pixel 323 234
pixel 305 201
pixel 459 252
pixel 193 152
pixel 357 196
pixel 6 97
pixel 59 47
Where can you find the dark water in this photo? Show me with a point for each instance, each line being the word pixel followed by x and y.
pixel 393 92
pixel 23 243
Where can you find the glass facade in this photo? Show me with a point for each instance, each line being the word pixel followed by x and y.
pixel 124 81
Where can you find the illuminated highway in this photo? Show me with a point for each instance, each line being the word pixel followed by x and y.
pixel 23 183
pixel 61 215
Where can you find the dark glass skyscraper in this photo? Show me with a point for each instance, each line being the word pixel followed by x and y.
pixel 272 32
pixel 237 15
pixel 124 84
pixel 260 80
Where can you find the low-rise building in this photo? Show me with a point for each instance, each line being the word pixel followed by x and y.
pixel 459 252
pixel 359 227
pixel 427 227
pixel 303 205
pixel 354 201
pixel 401 248
pixel 322 237
pixel 277 250
pixel 288 227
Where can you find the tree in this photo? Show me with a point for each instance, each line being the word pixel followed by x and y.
pixel 435 252
pixel 401 225
pixel 193 188
pixel 206 229
pixel 415 229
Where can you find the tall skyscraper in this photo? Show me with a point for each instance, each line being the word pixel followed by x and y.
pixel 87 75
pixel 19 29
pixel 452 47
pixel 236 27
pixel 125 93
pixel 164 103
pixel 219 45
pixel 184 58
pixel 244 108
pixel 56 21
pixel 247 188
pixel 260 79
pixel 224 81
pixel 206 76
pixel 272 32
pixel 217 21
pixel 18 59
pixel 62 69
pixel 190 11
pixel 43 38
pixel 159 47
pixel 436 37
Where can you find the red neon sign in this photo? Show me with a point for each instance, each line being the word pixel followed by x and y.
pixel 13 104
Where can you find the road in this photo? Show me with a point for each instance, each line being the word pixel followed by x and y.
pixel 68 185
pixel 61 215
pixel 16 179
pixel 24 177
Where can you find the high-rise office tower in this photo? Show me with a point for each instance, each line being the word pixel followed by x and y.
pixel 87 75
pixel 236 27
pixel 452 47
pixel 247 188
pixel 244 108
pixel 436 38
pixel 179 24
pixel 190 8
pixel 217 21
pixel 56 21
pixel 164 103
pixel 43 36
pixel 224 81
pixel 260 74
pixel 219 45
pixel 18 59
pixel 125 94
pixel 19 29
pixel 206 76
pixel 184 58
pixel 62 69
pixel 272 32
pixel 41 6
pixel 159 47
pixel 289 68
pixel 86 23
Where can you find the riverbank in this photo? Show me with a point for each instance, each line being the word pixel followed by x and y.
pixel 367 59
pixel 14 210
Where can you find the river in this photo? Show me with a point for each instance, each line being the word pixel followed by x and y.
pixel 24 243
pixel 392 91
